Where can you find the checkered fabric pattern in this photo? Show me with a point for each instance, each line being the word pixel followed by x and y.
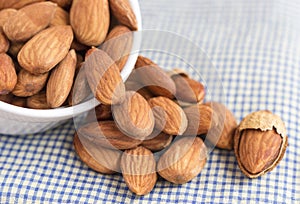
pixel 254 46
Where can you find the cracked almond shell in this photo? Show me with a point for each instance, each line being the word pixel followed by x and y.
pixel 260 142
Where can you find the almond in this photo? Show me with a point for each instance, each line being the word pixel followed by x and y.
pixel 18 68
pixel 8 76
pixel 99 113
pixel 61 17
pixel 63 3
pixel 79 62
pixel 46 49
pixel 187 89
pixel 152 76
pixel 118 45
pixel 123 12
pixel 260 142
pixel 4 43
pixel 29 20
pixel 226 125
pixel 183 161
pixel 104 78
pixel 169 117
pixel 7 98
pixel 90 51
pixel 38 101
pixel 78 46
pixel 113 22
pixel 15 48
pixel 16 4
pixel 107 134
pixel 157 142
pixel 90 21
pixel 6 14
pixel 61 80
pixel 200 119
pixel 80 91
pixel 29 84
pixel 105 161
pixel 138 169
pixel 138 87
pixel 134 116
pixel 19 101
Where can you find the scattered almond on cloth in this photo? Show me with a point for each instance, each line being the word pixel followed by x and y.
pixel 156 130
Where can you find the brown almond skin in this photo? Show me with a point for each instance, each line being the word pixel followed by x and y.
pixel 29 20
pixel 134 116
pixel 123 12
pixel 169 117
pixel 19 101
pixel 100 113
pixel 188 90
pixel 138 169
pixel 260 143
pixel 183 161
pixel 156 80
pixel 90 29
pixel 79 46
pixel 256 157
pixel 36 57
pixel 90 51
pixel 104 78
pixel 157 143
pixel 8 76
pixel 80 91
pixel 16 4
pixel 138 87
pixel 226 122
pixel 15 48
pixel 199 119
pixel 118 44
pixel 113 22
pixel 38 101
pixel 4 43
pixel 63 3
pixel 107 134
pixel 103 112
pixel 6 14
pixel 110 159
pixel 29 84
pixel 61 17
pixel 61 80
pixel 79 61
pixel 7 98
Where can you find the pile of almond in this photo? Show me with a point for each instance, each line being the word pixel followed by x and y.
pixel 43 44
pixel 156 124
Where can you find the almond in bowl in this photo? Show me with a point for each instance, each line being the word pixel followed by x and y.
pixel 42 46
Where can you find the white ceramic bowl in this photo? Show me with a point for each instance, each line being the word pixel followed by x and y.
pixel 19 121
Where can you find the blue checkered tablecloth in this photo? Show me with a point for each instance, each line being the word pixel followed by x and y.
pixel 255 47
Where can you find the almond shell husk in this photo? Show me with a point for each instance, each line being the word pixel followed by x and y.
pixel 263 120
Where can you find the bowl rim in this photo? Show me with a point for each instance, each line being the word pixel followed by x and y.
pixel 67 112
